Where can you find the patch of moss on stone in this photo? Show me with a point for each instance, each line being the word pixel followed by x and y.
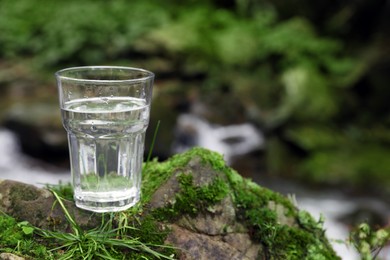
pixel 26 194
pixel 15 239
pixel 270 219
pixel 155 173
pixel 64 190
pixel 147 230
pixel 10 233
pixel 192 199
pixel 304 238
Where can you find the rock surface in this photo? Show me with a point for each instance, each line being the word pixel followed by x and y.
pixel 9 256
pixel 26 202
pixel 211 212
pixel 205 235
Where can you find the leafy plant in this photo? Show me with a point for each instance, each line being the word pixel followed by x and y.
pixel 18 238
pixel 87 32
pixel 369 242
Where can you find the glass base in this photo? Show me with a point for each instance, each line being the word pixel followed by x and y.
pixel 100 205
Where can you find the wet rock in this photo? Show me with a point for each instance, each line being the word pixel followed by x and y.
pixel 225 229
pixel 26 202
pixel 210 234
pixel 209 211
pixel 200 246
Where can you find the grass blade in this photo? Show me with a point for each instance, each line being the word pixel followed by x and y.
pixel 72 222
pixel 153 141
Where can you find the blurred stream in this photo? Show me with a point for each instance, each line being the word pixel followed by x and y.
pixel 16 166
pixel 333 205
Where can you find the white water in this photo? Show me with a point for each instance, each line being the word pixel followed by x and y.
pixel 15 166
pixel 245 137
pixel 331 209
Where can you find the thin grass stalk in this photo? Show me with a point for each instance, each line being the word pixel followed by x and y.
pixel 153 141
pixel 72 222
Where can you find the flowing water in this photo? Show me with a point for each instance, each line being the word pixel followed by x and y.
pixel 15 166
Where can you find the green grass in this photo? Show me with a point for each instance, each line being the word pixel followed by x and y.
pixel 120 235
pixel 109 241
pixel 18 238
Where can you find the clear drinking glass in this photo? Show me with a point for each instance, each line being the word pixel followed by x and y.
pixel 105 111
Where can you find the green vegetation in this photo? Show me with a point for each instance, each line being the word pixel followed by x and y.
pixel 313 76
pixel 64 190
pixel 321 92
pixel 193 199
pixel 113 239
pixel 100 242
pixel 136 234
pixel 18 238
pixel 304 241
pixel 368 242
pixel 80 31
pixel 133 234
pixel 253 202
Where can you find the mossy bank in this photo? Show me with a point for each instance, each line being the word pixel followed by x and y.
pixel 197 206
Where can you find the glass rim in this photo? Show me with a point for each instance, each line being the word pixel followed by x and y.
pixel 148 74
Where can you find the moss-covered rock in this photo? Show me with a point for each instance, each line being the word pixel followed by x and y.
pixel 206 210
pixel 28 203
pixel 215 213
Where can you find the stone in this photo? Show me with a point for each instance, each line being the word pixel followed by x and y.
pixel 219 231
pixel 207 209
pixel 201 246
pixel 9 256
pixel 26 202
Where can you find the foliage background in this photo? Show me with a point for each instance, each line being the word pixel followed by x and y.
pixel 312 75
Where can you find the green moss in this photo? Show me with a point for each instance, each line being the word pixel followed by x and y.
pixel 64 190
pixel 10 233
pixel 18 238
pixel 26 193
pixel 281 241
pixel 193 199
pixel 292 243
pixel 305 239
pixel 155 173
pixel 148 231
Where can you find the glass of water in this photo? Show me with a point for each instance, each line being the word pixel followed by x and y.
pixel 105 111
